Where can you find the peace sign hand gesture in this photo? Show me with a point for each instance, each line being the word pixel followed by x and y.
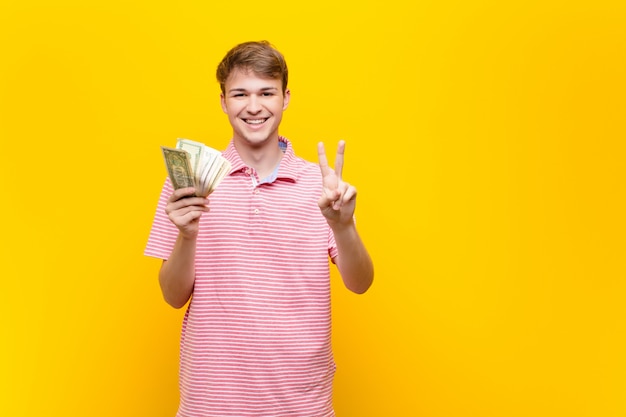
pixel 338 199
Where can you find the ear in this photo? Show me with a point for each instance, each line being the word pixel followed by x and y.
pixel 223 103
pixel 286 98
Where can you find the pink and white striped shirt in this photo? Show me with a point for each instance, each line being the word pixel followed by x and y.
pixel 256 336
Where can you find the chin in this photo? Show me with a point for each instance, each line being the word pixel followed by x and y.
pixel 256 138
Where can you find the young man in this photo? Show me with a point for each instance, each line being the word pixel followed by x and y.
pixel 254 261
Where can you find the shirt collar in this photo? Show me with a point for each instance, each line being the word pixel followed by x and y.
pixel 288 168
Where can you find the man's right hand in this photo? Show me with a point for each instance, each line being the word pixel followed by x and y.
pixel 185 210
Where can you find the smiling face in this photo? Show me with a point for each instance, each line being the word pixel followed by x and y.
pixel 254 106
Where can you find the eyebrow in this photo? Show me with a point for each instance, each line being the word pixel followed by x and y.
pixel 232 90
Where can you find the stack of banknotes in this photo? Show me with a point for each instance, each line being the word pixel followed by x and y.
pixel 193 164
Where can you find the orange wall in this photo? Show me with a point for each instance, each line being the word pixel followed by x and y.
pixel 486 140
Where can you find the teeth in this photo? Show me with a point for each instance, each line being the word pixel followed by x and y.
pixel 255 122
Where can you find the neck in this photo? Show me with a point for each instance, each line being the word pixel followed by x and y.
pixel 262 158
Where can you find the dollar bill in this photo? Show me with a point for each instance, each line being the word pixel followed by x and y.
pixel 193 164
pixel 195 151
pixel 178 166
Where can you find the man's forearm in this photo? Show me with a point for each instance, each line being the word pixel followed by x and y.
pixel 177 274
pixel 353 260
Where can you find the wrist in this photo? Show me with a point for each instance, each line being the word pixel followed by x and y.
pixel 187 238
pixel 339 227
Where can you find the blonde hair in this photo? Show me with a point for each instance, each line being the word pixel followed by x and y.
pixel 259 57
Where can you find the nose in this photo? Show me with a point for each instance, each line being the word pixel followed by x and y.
pixel 254 105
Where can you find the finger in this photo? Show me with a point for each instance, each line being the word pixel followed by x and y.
pixel 349 195
pixel 339 158
pixel 181 211
pixel 197 202
pixel 186 215
pixel 321 155
pixel 182 193
pixel 328 198
pixel 187 219
pixel 193 203
pixel 187 209
pixel 341 195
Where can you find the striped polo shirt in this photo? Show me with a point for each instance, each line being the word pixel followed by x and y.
pixel 256 336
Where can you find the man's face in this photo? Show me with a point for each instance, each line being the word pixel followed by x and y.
pixel 254 107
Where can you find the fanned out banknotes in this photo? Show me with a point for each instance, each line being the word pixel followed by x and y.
pixel 193 164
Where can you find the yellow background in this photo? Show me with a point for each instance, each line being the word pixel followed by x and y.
pixel 486 139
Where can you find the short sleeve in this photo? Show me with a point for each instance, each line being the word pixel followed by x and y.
pixel 332 245
pixel 163 233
